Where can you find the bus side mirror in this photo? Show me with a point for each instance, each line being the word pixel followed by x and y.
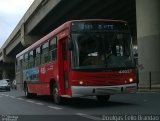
pixel 70 46
pixel 140 66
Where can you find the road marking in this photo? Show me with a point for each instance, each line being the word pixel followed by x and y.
pixel 9 96
pixel 6 95
pixel 12 97
pixel 57 108
pixel 30 101
pixel 88 116
pixel 39 103
pixel 20 98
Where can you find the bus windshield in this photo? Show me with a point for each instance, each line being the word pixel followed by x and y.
pixel 102 50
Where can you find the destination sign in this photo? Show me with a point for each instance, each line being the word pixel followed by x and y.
pixel 98 25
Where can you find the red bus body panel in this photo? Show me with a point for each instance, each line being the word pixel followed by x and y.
pixel 102 78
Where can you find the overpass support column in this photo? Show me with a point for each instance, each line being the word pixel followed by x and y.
pixel 148 35
pixel 5 74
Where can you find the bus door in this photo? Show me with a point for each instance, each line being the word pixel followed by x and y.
pixel 65 65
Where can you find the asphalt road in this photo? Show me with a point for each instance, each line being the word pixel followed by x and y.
pixel 14 106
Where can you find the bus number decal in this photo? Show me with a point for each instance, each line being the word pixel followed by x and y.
pixel 125 71
pixel 43 70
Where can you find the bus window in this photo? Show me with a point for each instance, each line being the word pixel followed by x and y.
pixel 31 59
pixel 45 50
pixel 25 61
pixel 53 48
pixel 37 56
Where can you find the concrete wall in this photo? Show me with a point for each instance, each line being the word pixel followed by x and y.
pixel 148 35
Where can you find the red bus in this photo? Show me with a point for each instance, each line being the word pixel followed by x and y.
pixel 79 58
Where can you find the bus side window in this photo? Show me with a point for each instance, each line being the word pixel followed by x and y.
pixel 37 56
pixel 53 48
pixel 44 55
pixel 31 59
pixel 25 61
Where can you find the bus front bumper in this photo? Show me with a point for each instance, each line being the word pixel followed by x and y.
pixel 81 91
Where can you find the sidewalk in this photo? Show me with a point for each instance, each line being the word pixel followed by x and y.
pixel 154 88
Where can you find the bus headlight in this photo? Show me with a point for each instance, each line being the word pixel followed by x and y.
pixel 81 82
pixel 130 80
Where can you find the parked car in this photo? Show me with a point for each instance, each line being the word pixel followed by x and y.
pixel 5 85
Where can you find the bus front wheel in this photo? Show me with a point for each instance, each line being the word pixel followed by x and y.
pixel 103 98
pixel 57 99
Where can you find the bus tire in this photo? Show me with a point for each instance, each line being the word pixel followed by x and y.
pixel 103 98
pixel 57 99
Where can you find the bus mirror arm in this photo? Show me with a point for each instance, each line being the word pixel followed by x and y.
pixel 140 66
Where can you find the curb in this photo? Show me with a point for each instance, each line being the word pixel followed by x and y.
pixel 148 90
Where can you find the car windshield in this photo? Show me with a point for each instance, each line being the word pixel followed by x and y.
pixel 102 50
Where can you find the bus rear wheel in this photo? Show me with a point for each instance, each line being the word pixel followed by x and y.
pixel 57 99
pixel 103 98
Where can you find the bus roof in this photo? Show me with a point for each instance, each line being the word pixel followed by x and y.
pixel 59 29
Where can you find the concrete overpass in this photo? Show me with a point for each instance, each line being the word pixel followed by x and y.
pixel 45 15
